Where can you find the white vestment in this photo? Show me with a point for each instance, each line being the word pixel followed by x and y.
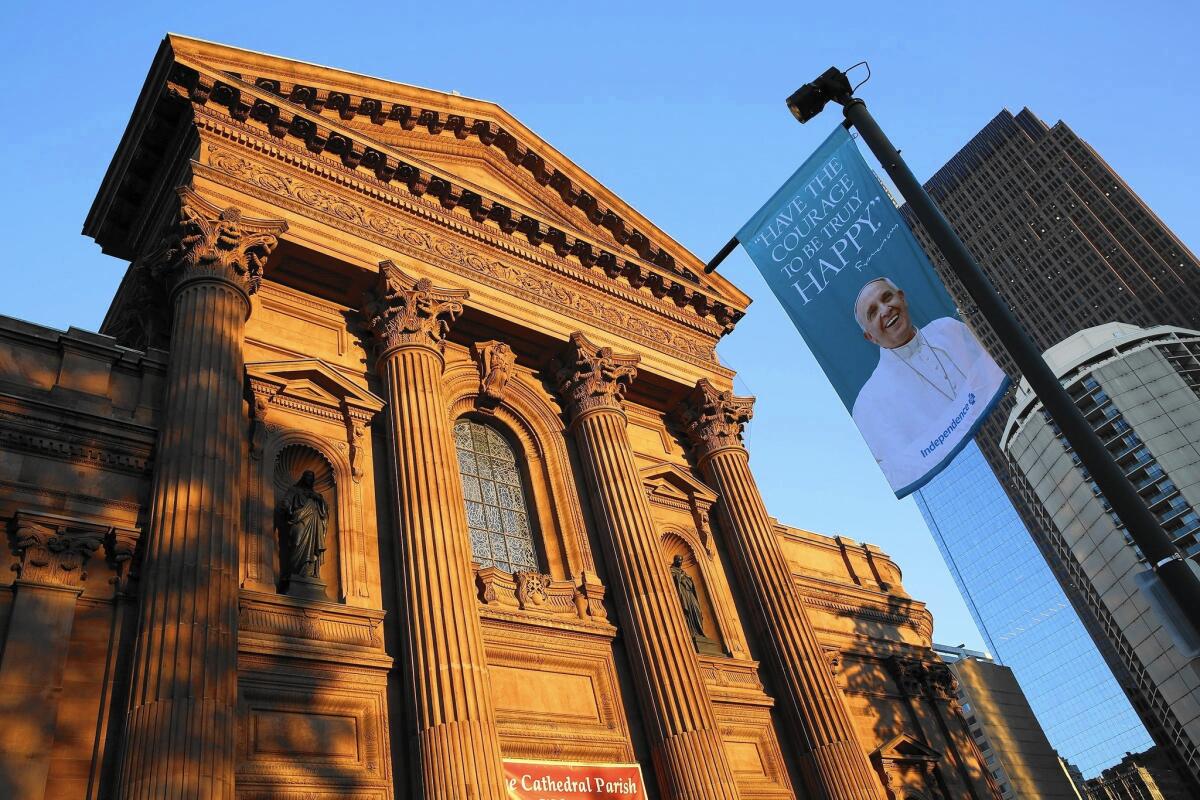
pixel 923 398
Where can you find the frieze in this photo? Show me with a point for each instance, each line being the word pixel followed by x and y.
pixel 357 628
pixel 531 284
pixel 865 612
pixel 348 147
pixel 43 437
pixel 488 133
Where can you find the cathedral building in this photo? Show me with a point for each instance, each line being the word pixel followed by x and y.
pixel 403 466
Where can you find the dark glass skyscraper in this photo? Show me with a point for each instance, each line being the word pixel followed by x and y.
pixel 1069 246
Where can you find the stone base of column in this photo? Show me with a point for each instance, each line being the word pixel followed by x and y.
pixel 684 760
pixel 459 755
pixel 182 742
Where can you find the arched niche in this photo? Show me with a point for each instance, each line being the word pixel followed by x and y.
pixel 307 402
pixel 291 462
pixel 674 544
pixel 286 454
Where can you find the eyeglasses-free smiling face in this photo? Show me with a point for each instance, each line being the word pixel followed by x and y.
pixel 882 312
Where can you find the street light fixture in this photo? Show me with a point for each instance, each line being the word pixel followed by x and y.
pixel 809 100
pixel 1160 551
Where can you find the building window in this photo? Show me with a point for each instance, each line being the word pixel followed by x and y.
pixel 501 535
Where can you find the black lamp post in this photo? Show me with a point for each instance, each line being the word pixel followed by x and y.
pixel 1166 560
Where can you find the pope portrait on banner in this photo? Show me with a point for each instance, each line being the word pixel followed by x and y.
pixel 931 384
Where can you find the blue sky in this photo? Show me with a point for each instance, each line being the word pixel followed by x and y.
pixel 678 107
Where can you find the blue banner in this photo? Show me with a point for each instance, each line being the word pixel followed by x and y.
pixel 859 288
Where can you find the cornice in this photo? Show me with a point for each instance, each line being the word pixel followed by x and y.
pixel 388 109
pixel 923 625
pixel 285 120
pixel 111 445
pixel 247 138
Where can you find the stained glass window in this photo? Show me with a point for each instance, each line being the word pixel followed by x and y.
pixel 496 512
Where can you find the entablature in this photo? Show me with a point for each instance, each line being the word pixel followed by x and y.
pixel 265 130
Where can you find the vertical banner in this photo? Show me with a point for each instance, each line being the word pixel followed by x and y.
pixel 858 287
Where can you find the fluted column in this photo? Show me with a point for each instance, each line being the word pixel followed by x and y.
pixel 684 738
pixel 457 741
pixel 179 736
pixel 833 761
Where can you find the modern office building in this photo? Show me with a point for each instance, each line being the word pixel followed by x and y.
pixel 1026 619
pixel 1005 729
pixel 1138 389
pixel 1069 246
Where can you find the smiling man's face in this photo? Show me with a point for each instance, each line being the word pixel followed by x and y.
pixel 884 312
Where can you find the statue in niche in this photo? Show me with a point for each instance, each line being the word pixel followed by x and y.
pixel 685 587
pixel 306 516
pixel 495 360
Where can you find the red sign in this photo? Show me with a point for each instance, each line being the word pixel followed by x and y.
pixel 555 780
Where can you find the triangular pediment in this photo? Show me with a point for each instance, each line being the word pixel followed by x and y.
pixel 905 748
pixel 475 144
pixel 313 380
pixel 669 480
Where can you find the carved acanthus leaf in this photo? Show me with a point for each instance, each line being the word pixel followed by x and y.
pixel 406 310
pixel 208 240
pixel 590 377
pixel 51 554
pixel 713 419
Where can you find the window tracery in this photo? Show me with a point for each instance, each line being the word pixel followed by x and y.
pixel 497 512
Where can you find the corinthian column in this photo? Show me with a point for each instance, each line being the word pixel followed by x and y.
pixel 179 736
pixel 833 762
pixel 457 742
pixel 682 730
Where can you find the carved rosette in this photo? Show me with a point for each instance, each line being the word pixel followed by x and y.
pixel 208 241
pixel 713 419
pixel 51 555
pixel 590 377
pixel 403 310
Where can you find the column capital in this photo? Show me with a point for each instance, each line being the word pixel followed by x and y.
pixel 50 554
pixel 403 310
pixel 713 419
pixel 589 377
pixel 208 241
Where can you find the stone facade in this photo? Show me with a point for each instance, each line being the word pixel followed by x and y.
pixel 334 283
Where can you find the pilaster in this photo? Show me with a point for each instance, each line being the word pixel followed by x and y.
pixel 682 730
pixel 51 558
pixel 456 739
pixel 833 762
pixel 179 737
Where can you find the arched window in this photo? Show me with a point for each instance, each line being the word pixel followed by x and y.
pixel 501 535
